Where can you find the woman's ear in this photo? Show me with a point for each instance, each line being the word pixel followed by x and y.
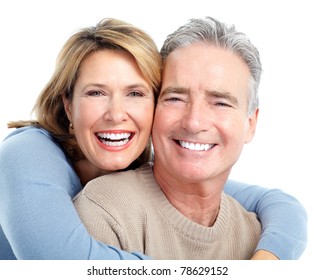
pixel 67 107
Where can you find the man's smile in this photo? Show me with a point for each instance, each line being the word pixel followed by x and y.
pixel 194 146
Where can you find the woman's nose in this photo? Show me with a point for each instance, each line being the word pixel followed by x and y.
pixel 116 110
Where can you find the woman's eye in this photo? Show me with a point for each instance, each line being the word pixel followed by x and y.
pixel 95 93
pixel 135 93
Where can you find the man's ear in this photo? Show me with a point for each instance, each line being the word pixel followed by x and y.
pixel 67 107
pixel 252 121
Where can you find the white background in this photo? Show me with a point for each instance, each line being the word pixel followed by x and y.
pixel 281 154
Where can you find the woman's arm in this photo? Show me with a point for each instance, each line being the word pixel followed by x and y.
pixel 283 218
pixel 37 215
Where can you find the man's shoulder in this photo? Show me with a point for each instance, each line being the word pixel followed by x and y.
pixel 238 213
pixel 118 187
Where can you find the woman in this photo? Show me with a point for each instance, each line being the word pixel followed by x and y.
pixel 93 117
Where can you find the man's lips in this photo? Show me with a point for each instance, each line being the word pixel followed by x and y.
pixel 194 146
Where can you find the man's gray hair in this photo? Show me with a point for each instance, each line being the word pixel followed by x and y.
pixel 214 32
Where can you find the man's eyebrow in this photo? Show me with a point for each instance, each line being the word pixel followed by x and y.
pixel 214 93
pixel 174 90
pixel 223 94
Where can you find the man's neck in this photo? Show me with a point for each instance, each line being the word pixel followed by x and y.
pixel 200 202
pixel 203 211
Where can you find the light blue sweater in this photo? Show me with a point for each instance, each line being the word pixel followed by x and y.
pixel 38 219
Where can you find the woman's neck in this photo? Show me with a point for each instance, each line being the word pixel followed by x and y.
pixel 87 171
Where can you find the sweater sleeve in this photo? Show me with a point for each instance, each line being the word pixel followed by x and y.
pixel 283 218
pixel 37 214
pixel 101 225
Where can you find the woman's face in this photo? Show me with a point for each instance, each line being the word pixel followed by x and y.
pixel 112 109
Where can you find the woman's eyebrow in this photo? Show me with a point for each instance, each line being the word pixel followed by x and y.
pixel 128 87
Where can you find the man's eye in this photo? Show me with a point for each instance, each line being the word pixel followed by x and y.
pixel 173 99
pixel 222 104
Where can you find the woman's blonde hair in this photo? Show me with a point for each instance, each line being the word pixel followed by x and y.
pixel 107 34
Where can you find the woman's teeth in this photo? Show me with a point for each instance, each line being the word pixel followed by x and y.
pixel 114 139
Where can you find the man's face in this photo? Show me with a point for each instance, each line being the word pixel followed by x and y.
pixel 201 121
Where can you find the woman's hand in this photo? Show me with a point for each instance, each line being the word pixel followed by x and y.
pixel 264 255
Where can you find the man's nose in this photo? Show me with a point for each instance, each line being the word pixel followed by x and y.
pixel 196 118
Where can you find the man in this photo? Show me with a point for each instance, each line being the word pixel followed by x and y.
pixel 207 110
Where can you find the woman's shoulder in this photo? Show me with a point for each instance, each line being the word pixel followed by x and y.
pixel 31 140
pixel 32 148
pixel 27 131
pixel 31 153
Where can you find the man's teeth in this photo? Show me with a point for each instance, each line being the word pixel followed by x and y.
pixel 195 146
pixel 114 139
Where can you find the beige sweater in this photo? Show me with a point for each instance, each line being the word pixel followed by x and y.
pixel 129 210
